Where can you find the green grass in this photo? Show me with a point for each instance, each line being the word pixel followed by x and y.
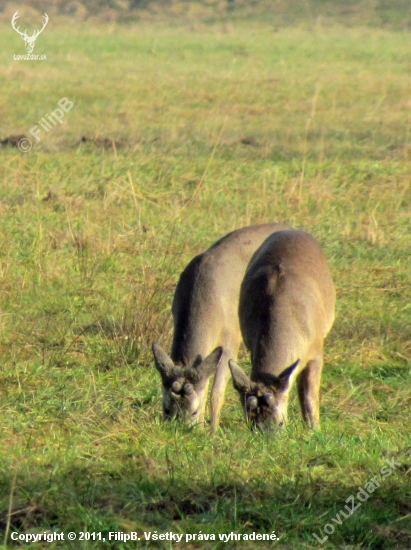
pixel 208 130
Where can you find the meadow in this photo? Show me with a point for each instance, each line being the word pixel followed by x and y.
pixel 179 134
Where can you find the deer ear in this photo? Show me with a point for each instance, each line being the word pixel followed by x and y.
pixel 240 380
pixel 208 367
pixel 283 381
pixel 163 362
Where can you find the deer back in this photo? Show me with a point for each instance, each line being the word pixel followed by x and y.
pixel 205 304
pixel 287 301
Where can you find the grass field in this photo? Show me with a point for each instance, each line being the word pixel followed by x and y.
pixel 177 136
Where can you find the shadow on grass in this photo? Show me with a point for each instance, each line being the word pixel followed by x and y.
pixel 83 499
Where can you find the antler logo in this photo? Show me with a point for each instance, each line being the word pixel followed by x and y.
pixel 29 41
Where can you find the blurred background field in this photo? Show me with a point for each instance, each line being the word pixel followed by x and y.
pixel 191 120
pixel 394 14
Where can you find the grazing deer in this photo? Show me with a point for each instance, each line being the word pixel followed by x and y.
pixel 29 41
pixel 287 301
pixel 206 327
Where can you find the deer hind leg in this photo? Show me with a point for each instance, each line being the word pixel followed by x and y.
pixel 309 392
pixel 221 379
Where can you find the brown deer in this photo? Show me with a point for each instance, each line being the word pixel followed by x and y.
pixel 286 309
pixel 206 326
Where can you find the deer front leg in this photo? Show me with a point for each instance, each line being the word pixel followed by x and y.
pixel 221 379
pixel 200 420
pixel 309 392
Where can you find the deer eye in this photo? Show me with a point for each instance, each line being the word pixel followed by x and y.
pixel 268 399
pixel 188 389
pixel 176 386
pixel 252 402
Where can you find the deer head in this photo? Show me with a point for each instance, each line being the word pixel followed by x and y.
pixel 28 40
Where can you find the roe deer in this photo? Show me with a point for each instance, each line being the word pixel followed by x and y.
pixel 206 327
pixel 287 301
